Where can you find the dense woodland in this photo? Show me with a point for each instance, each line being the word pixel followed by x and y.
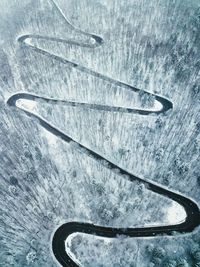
pixel 152 45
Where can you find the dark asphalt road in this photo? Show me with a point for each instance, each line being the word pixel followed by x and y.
pixel 58 243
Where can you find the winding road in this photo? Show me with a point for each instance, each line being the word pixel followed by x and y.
pixel 192 219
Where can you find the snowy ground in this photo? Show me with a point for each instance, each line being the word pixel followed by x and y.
pixel 153 45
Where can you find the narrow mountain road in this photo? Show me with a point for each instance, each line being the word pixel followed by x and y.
pixel 192 219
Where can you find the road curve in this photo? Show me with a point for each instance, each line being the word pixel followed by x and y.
pixel 58 243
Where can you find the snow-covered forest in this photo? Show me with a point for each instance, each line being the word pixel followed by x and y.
pixel 46 182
